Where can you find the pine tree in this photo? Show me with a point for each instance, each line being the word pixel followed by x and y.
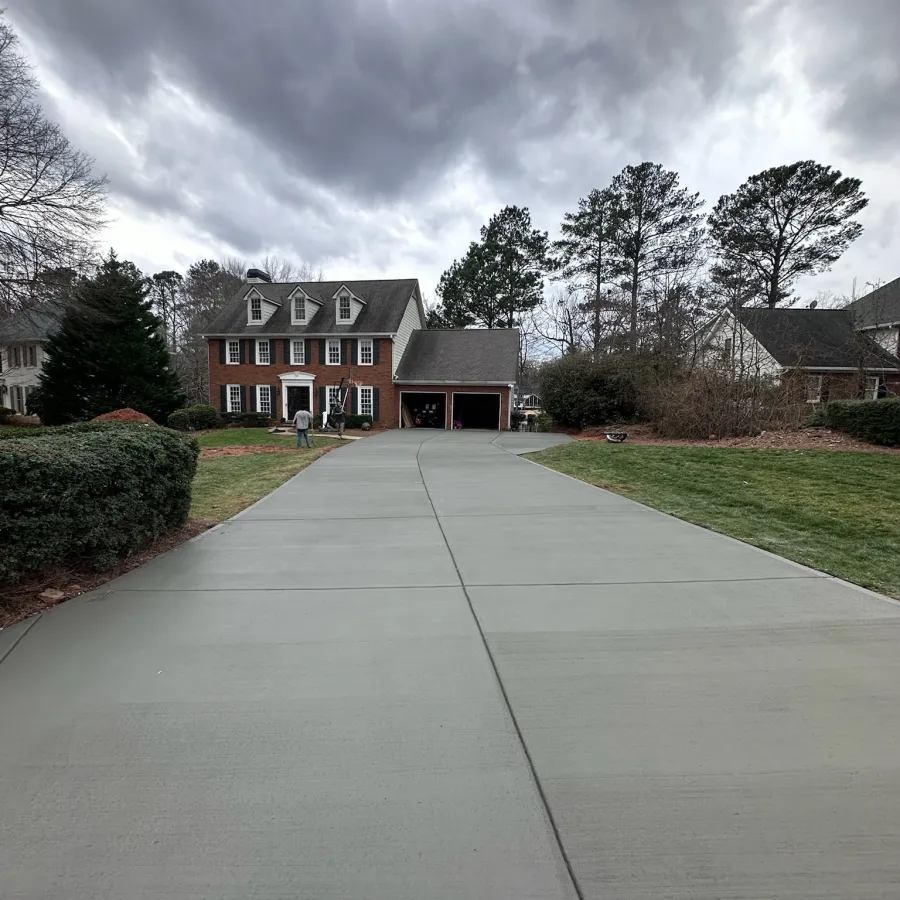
pixel 108 353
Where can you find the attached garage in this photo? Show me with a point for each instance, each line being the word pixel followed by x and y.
pixel 460 378
pixel 476 410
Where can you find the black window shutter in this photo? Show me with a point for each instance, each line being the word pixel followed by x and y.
pixel 242 351
pixel 243 398
pixel 344 352
pixel 273 400
pixel 252 390
pixel 222 347
pixel 251 352
pixel 376 351
pixel 376 411
pixel 354 352
pixel 286 351
pixel 322 359
pixel 307 351
pixel 322 409
pixel 351 393
pixel 223 398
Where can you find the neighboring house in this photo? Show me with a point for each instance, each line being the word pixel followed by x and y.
pixel 22 355
pixel 820 345
pixel 279 347
pixel 878 316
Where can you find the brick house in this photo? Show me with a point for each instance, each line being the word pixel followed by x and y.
pixel 279 347
pixel 824 347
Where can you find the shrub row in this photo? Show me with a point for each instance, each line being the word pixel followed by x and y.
pixel 247 419
pixel 875 421
pixel 6 414
pixel 194 418
pixel 91 494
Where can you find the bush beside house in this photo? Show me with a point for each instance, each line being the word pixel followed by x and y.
pixel 90 493
pixel 194 418
pixel 576 391
pixel 875 421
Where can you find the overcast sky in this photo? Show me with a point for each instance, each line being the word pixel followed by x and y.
pixel 374 137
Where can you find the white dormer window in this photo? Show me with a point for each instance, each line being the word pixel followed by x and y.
pixel 255 309
pixel 299 308
pixel 344 308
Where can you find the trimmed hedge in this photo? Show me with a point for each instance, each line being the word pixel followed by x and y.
pixel 875 421
pixel 90 494
pixel 247 419
pixel 194 418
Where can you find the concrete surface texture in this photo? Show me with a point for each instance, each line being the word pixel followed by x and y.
pixel 426 668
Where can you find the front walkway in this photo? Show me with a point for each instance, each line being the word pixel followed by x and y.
pixel 301 703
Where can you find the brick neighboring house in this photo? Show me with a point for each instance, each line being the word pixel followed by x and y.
pixel 22 355
pixel 823 346
pixel 277 347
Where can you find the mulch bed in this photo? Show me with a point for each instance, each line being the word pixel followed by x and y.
pixel 796 439
pixel 24 599
pixel 124 415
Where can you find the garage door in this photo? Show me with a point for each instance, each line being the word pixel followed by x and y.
pixel 472 410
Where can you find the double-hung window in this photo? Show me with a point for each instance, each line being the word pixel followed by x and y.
pixel 255 309
pixel 234 398
pixel 365 352
pixel 264 399
pixel 873 382
pixel 334 396
pixel 234 353
pixel 263 353
pixel 813 388
pixel 299 309
pixel 298 353
pixel 344 308
pixel 16 357
pixel 32 356
pixel 365 401
pixel 333 352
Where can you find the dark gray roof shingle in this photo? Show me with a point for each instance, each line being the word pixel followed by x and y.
pixel 465 356
pixel 28 325
pixel 881 307
pixel 814 338
pixel 385 303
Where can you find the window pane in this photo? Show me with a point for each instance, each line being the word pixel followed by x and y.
pixel 345 307
pixel 256 309
pixel 298 353
pixel 365 353
pixel 262 348
pixel 234 352
pixel 365 401
pixel 264 399
pixel 300 308
pixel 334 353
pixel 234 398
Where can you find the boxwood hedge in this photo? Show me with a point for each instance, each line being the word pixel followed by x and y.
pixel 194 418
pixel 90 495
pixel 876 421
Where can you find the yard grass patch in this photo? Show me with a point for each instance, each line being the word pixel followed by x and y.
pixel 251 437
pixel 838 512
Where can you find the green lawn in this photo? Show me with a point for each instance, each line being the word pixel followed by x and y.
pixel 835 511
pixel 224 486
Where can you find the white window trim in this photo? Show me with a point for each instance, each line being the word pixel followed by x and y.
pixel 818 398
pixel 359 396
pixel 228 400
pixel 228 360
pixel 874 393
pixel 328 343
pixel 302 343
pixel 359 346
pixel 300 295
pixel 268 343
pixel 349 298
pixel 259 389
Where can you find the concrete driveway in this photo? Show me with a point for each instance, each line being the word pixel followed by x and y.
pixel 426 668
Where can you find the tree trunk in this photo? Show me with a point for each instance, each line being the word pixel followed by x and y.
pixel 597 293
pixel 632 334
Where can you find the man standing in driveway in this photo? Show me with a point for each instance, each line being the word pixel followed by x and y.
pixel 302 421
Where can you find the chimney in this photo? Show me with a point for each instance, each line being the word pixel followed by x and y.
pixel 257 276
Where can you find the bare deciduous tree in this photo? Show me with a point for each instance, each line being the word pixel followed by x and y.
pixel 51 203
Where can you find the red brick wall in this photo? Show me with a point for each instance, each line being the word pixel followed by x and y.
pixel 449 390
pixel 377 376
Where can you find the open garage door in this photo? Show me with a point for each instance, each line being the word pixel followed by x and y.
pixel 476 411
pixel 420 409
